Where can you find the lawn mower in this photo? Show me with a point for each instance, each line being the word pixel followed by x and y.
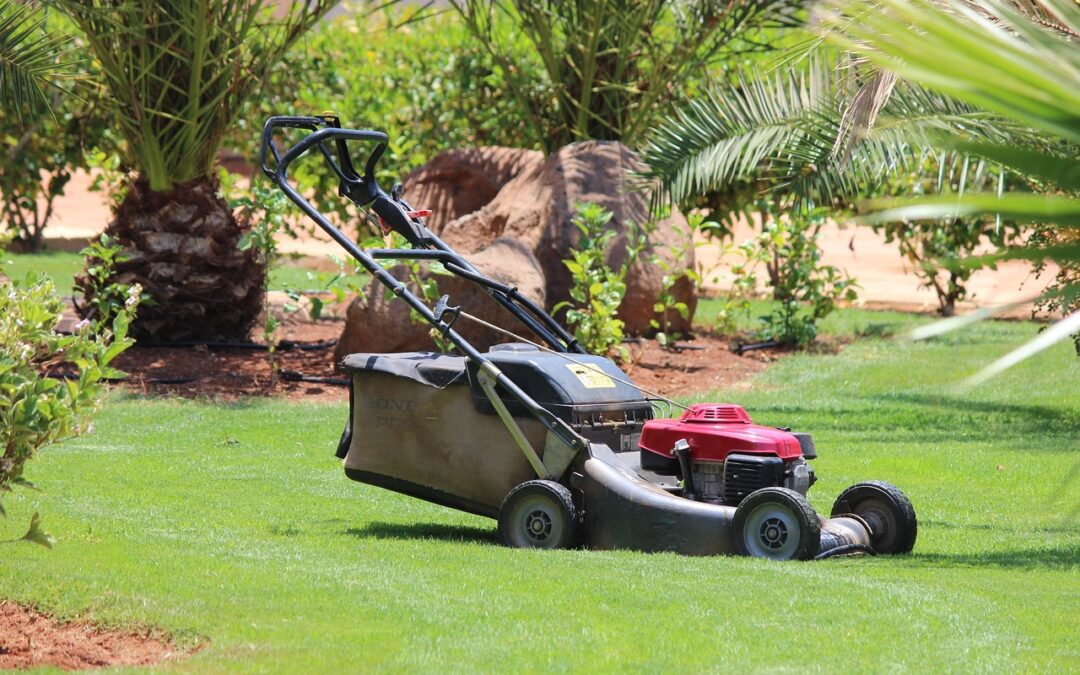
pixel 558 445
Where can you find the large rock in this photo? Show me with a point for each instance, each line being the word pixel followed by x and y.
pixel 536 208
pixel 374 323
pixel 458 182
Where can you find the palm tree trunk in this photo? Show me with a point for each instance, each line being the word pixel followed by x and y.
pixel 181 246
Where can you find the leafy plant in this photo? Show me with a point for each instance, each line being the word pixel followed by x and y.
pixel 787 250
pixel 597 290
pixel 1062 296
pixel 666 302
pixel 743 259
pixel 610 65
pixel 36 409
pixel 937 248
pixel 103 297
pixel 262 212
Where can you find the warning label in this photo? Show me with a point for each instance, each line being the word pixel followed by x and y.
pixel 592 378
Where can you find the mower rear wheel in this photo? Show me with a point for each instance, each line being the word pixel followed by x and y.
pixel 776 523
pixel 888 512
pixel 538 514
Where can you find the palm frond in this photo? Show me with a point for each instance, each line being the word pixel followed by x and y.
pixel 1016 59
pixel 31 57
pixel 797 131
pixel 179 71
pixel 739 129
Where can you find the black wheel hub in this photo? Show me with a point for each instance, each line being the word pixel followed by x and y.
pixel 538 526
pixel 773 533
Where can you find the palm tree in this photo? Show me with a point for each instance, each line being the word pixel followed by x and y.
pixel 609 65
pixel 995 80
pixel 177 73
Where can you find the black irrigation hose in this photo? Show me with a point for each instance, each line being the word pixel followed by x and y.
pixel 768 344
pixel 295 376
pixel 845 550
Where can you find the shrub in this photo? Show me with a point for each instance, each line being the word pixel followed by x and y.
pixel 938 247
pixel 597 290
pixel 807 290
pixel 1062 295
pixel 666 302
pixel 37 409
pixel 424 82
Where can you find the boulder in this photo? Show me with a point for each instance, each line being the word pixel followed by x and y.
pixel 458 182
pixel 537 206
pixel 374 323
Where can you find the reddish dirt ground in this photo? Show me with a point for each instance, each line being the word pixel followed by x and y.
pixel 30 639
pixel 706 363
pixel 696 366
pixel 228 373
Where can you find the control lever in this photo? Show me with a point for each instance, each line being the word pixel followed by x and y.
pixel 682 453
pixel 442 308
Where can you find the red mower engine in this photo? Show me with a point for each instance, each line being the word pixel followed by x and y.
pixel 722 456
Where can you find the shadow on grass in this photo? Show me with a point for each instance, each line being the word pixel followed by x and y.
pixel 1063 529
pixel 465 533
pixel 940 416
pixel 1054 557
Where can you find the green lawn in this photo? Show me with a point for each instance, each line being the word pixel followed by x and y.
pixel 849 322
pixel 234 525
pixel 63 266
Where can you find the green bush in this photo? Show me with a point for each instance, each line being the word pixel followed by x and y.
pixel 424 82
pixel 937 248
pixel 36 409
pixel 597 290
pixel 807 290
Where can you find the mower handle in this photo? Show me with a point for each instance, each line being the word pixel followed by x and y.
pixel 324 128
pixel 361 190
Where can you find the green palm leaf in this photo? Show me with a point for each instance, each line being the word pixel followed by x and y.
pixel 179 71
pixel 994 56
pixel 30 59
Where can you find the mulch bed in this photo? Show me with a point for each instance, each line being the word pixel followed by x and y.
pixel 231 373
pixel 704 364
pixel 30 639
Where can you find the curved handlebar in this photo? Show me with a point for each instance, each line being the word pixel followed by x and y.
pixel 325 129
pixel 362 190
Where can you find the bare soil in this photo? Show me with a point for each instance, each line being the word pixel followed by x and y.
pixel 695 366
pixel 30 639
pixel 230 373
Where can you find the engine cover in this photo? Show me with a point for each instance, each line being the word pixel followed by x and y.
pixel 714 431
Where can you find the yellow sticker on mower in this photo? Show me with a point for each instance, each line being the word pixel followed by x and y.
pixel 592 377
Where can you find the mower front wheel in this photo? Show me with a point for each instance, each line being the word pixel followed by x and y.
pixel 776 523
pixel 886 510
pixel 538 514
